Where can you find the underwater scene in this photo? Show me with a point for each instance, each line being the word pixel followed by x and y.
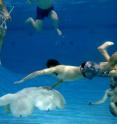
pixel 58 62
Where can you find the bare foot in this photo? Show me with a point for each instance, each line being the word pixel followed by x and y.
pixel 106 45
pixel 29 20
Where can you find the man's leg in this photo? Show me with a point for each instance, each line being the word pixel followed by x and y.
pixel 37 24
pixel 55 20
pixel 113 108
pixel 102 49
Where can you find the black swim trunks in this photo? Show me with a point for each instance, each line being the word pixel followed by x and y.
pixel 42 13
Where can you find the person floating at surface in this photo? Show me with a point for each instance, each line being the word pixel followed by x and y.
pixel 4 16
pixel 69 73
pixel 44 9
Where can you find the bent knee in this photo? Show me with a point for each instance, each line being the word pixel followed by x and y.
pixel 100 48
pixel 53 15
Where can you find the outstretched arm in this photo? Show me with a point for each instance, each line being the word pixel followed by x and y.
pixel 35 74
pixel 102 100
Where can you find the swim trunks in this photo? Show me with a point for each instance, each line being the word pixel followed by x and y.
pixel 42 13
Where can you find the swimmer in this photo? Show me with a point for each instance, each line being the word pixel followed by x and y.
pixel 63 73
pixel 44 9
pixel 4 16
pixel 110 93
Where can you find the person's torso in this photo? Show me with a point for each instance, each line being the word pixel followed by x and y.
pixel 67 73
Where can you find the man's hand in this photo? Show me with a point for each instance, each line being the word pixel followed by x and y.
pixel 18 82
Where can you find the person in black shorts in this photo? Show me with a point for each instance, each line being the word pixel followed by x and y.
pixel 44 9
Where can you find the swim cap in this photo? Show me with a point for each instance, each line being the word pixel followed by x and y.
pixel 89 69
pixel 52 63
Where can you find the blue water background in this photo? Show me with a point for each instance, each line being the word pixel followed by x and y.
pixel 86 24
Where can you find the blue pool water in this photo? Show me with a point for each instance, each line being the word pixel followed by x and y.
pixel 86 24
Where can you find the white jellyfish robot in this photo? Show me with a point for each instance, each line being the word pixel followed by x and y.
pixel 22 103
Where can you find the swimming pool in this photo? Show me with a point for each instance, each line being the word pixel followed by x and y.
pixel 85 24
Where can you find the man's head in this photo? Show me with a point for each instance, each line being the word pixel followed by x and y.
pixel 52 62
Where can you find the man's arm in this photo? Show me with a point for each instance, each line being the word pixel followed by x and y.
pixel 35 74
pixel 102 100
pixel 56 84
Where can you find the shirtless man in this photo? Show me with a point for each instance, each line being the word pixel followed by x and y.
pixel 44 9
pixel 4 16
pixel 69 73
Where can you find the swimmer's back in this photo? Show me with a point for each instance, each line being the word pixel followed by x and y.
pixel 67 72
